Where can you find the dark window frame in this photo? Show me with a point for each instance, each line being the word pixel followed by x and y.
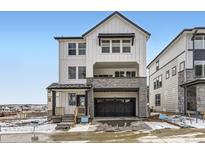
pixel 104 48
pixel 125 46
pixel 80 49
pixel 69 71
pixel 72 50
pixel 72 99
pixel 158 100
pixel 83 75
pixel 157 65
pixel 116 47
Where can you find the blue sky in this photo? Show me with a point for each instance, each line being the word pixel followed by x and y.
pixel 29 54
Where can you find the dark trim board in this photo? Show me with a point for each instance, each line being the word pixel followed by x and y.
pixel 115 89
pixel 129 21
pixel 168 63
pixel 191 29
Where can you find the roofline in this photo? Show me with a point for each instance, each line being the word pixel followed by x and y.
pixel 68 37
pixel 187 29
pixel 125 18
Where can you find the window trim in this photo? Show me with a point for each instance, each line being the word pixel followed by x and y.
pixel 79 72
pixel 72 49
pixel 105 46
pixel 157 99
pixel 167 72
pixel 182 64
pixel 126 46
pixel 71 102
pixel 173 74
pixel 116 47
pixel 157 83
pixel 81 48
pixel 75 73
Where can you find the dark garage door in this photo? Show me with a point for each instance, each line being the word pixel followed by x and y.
pixel 109 107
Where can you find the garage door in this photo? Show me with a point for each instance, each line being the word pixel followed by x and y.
pixel 109 107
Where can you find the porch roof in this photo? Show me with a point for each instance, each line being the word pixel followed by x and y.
pixel 193 82
pixel 68 86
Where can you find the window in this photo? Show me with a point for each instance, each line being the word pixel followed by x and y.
pixel 122 74
pixel 115 46
pixel 167 74
pixel 81 72
pixel 157 100
pixel 160 81
pixel 174 71
pixel 157 65
pixel 71 72
pixel 182 66
pixel 157 82
pixel 71 48
pixel 81 48
pixel 105 46
pixel 117 74
pixel 126 46
pixel 72 98
pixel 130 74
pixel 199 67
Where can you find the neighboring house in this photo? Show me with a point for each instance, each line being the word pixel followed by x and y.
pixel 177 74
pixel 102 71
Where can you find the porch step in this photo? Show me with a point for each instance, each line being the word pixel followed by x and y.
pixel 63 125
pixel 56 119
pixel 68 118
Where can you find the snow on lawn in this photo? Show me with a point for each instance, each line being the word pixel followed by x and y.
pixel 14 126
pixel 160 125
pixel 199 124
pixel 83 128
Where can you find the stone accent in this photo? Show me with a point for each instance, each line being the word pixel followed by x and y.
pixel 49 115
pixel 59 111
pixel 181 99
pixel 91 103
pixel 138 83
pixel 200 98
pixel 117 82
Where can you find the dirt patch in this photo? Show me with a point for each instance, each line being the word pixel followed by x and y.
pixel 172 132
pixel 93 137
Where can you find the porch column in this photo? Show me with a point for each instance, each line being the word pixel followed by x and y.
pixel 91 103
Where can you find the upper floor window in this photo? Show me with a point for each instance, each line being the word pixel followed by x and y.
pixel 71 72
pixel 71 48
pixel 174 71
pixel 126 46
pixel 157 65
pixel 105 46
pixel 115 46
pixel 167 74
pixel 157 82
pixel 81 48
pixel 81 72
pixel 130 74
pixel 199 42
pixel 182 66
pixel 199 67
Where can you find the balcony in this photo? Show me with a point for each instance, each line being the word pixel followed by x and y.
pixel 113 83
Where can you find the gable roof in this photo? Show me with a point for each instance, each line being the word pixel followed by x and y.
pixel 119 14
pixel 184 30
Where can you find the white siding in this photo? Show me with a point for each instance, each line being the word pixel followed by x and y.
pixel 173 56
pixel 116 25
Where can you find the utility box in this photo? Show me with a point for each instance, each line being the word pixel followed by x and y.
pixel 84 119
